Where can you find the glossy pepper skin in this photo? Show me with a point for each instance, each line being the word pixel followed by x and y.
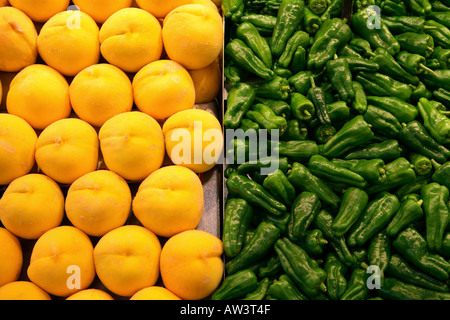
pixel 333 10
pixel 254 193
pixel 301 81
pixel 302 178
pixel 326 169
pixel 264 23
pixel 400 269
pixel 375 217
pixel 240 98
pixel 383 85
pixel 311 21
pixel 317 96
pixel 402 110
pixel 443 56
pixel 299 38
pixel 314 242
pixel 266 118
pixel 253 39
pixel 442 174
pixel 336 276
pixel 236 285
pixel 338 111
pixel 234 74
pixel 359 103
pixel 237 218
pixel 410 211
pixel 382 121
pixel 284 289
pixel 302 108
pixel 436 123
pixel 419 7
pixel 352 206
pixel 394 289
pixel 289 17
pixel 340 76
pixel 372 170
pixel 420 91
pixel 332 35
pixel 361 46
pixel 417 138
pixel 304 209
pixel 280 107
pixel 276 88
pixel 356 287
pixel 402 24
pixel 280 187
pixel 282 163
pixel 420 43
pixel 437 215
pixel 353 134
pixel 297 150
pixel 298 60
pixel 302 269
pixel 296 130
pixel 439 33
pixel 412 246
pixel 442 95
pixel 437 79
pixel 233 9
pixel 393 8
pixel 260 291
pixel 386 150
pixel 356 64
pixel 259 245
pixel 412 187
pixel 318 6
pixel 412 62
pixel 379 253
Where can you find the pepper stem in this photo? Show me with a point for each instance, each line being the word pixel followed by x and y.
pixel 420 202
pixel 429 28
pixel 436 165
pixel 425 68
pixel 323 287
pixel 445 113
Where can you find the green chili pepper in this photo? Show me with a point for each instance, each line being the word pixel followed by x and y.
pixel 442 173
pixel 299 38
pixel 443 56
pixel 264 23
pixel 413 187
pixel 298 60
pixel 437 215
pixel 253 39
pixel 234 74
pixel 260 291
pixel 439 33
pixel 296 130
pixel 304 209
pixel 281 222
pixel 394 289
pixel 240 98
pixel 441 17
pixel 382 121
pixel 337 111
pixel 402 24
pixel 280 107
pixel 237 218
pixel 361 46
pixel 271 268
pixel 442 95
pixel 348 52
pixel 412 62
pixel 302 108
pixel 379 254
pixel 233 9
pixel 244 57
pixel 254 193
pixel 302 178
pixel 372 170
pixel 353 134
pixel 285 289
pixel 393 8
pixel 333 10
pixel 420 91
pixel 300 150
pixel 247 124
pixel 276 88
pixel 375 217
pixel 301 81
pixel 317 96
pixel 356 287
pixel 281 163
pixel 336 276
pixel 259 245
pixel 402 110
pixel 419 43
pixel 323 133
pixel 438 6
pixel 266 118
pixel 437 79
pixel 419 7
pixel 359 103
pixel 302 269
pixel 280 187
pixel 340 76
pixel 403 271
pixel 410 211
pixel 236 285
pixel 361 64
pixel 422 165
pixel 386 150
pixel 311 21
pixel 379 84
pixel 289 17
pixel 445 249
pixel 314 242
pixel 411 245
pixel 318 6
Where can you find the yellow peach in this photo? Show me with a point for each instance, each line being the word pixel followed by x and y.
pixel 191 264
pixel 40 95
pixel 17 148
pixel 193 35
pixel 98 202
pixel 100 92
pixel 160 9
pixel 18 38
pixel 22 290
pixel 32 205
pixel 40 11
pixel 194 139
pixel 62 261
pixel 127 259
pixel 207 82
pixel 169 201
pixel 4 3
pixel 154 293
pixel 101 10
pixel 11 257
pixel 162 88
pixel 132 145
pixel 67 149
pixel 69 42
pixel 130 39
pixel 90 294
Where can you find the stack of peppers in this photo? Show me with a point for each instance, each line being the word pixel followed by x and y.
pixel 358 103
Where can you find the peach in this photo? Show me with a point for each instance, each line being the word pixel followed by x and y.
pixel 22 290
pixel 100 92
pixel 101 10
pixel 11 256
pixel 130 39
pixel 207 82
pixel 40 11
pixel 161 9
pixel 69 42
pixel 90 294
pixel 154 293
pixel 40 95
pixel 18 38
pixel 201 39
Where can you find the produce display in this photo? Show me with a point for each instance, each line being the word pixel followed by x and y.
pixel 354 97
pixel 100 198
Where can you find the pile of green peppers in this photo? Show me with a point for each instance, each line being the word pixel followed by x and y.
pixel 358 207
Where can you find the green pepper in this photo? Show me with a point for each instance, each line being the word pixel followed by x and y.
pixel 311 21
pixel 289 18
pixel 402 110
pixel 313 242
pixel 422 165
pixel 271 268
pixel 445 249
pixel 372 170
pixel 326 169
pixel 442 173
pixel 260 291
pixel 301 81
pixel 281 222
pixel 437 215
pixel 302 269
pixel 419 7
pixel 348 52
pixel 280 107
pixel 382 121
pixel 402 24
pixel 375 217
pixel 383 85
pixel 318 6
pixel 240 98
pixel 432 64
pixel 394 289
pixel 317 96
pixel 336 276
pixel 333 10
pixel 300 150
pixel 410 211
pixel 280 187
pixel 233 9
pixel 437 79
pixel 264 23
pixel 412 246
pixel 237 217
pixel 277 88
pixel 253 39
pixel 296 130
pixel 337 111
pixel 352 206
pixel 236 285
pixel 247 124
pixel 379 254
pixel 419 43
pixel 439 33
pixel 417 139
pixel 442 95
pixel 234 74
pixel 323 133
pixel 298 60
pixel 353 134
pixel 441 17
pixel 356 287
pixel 386 150
pixel 259 245
pixel 413 187
pixel 254 193
pixel 400 269
pixel 332 35
pixel 361 46
pixel 302 108
pixel 285 289
pixel 443 56
pixel 266 118
pixel 299 38
pixel 412 62
pixel 263 163
pixel 393 8
pixel 340 76
pixel 361 64
pixel 304 209
pixel 359 103
pixel 303 179
pixel 438 6
pixel 420 91
pixel 378 36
